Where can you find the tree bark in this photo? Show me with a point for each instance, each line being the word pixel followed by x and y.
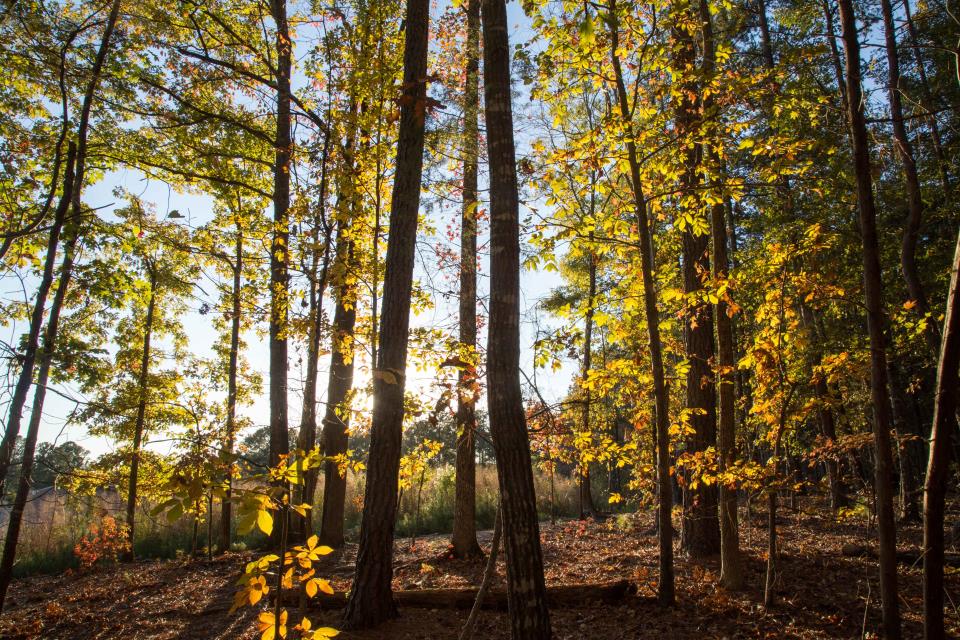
pixel 941 436
pixel 279 249
pixel 661 393
pixel 701 527
pixel 529 617
pixel 140 421
pixel 371 599
pixel 464 540
pixel 873 293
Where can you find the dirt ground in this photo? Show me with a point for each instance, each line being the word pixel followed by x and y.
pixel 821 592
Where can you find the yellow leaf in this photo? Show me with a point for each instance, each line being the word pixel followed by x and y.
pixel 265 521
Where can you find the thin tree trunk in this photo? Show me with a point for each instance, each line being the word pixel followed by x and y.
pixel 731 566
pixel 371 599
pixel 527 594
pixel 336 420
pixel 279 247
pixel 587 508
pixel 488 572
pixel 140 421
pixel 39 396
pixel 908 247
pixel 226 508
pixel 665 587
pixel 465 512
pixel 873 292
pixel 307 437
pixel 926 100
pixel 938 472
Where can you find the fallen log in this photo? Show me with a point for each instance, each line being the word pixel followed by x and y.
pixel 567 596
pixel 856 550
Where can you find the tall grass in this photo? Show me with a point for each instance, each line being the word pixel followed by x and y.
pixel 55 522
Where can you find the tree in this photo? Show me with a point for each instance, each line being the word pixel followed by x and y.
pixel 371 599
pixel 873 295
pixel 465 543
pixel 529 617
pixel 943 430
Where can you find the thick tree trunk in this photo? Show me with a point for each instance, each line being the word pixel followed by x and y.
pixel 140 422
pixel 665 588
pixel 938 472
pixel 36 412
pixel 465 512
pixel 371 600
pixel 873 292
pixel 336 421
pixel 226 508
pixel 529 617
pixel 279 246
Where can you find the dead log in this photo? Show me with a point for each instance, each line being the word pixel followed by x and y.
pixel 910 557
pixel 560 596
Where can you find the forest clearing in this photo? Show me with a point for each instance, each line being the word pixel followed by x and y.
pixel 476 318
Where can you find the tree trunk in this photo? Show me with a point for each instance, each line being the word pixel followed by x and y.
pixel 587 508
pixel 464 541
pixel 226 508
pixel 317 276
pixel 371 599
pixel 908 247
pixel 336 420
pixel 665 588
pixel 527 597
pixel 938 472
pixel 279 249
pixel 701 526
pixel 36 412
pixel 731 568
pixel 140 422
pixel 873 292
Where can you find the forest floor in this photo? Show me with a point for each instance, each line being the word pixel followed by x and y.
pixel 822 593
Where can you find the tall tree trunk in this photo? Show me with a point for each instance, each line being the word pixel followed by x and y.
pixel 941 435
pixel 226 509
pixel 39 396
pixel 318 269
pixel 465 511
pixel 140 421
pixel 873 293
pixel 371 599
pixel 527 594
pixel 731 566
pixel 908 247
pixel 701 526
pixel 587 508
pixel 661 393
pixel 279 247
pixel 336 420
